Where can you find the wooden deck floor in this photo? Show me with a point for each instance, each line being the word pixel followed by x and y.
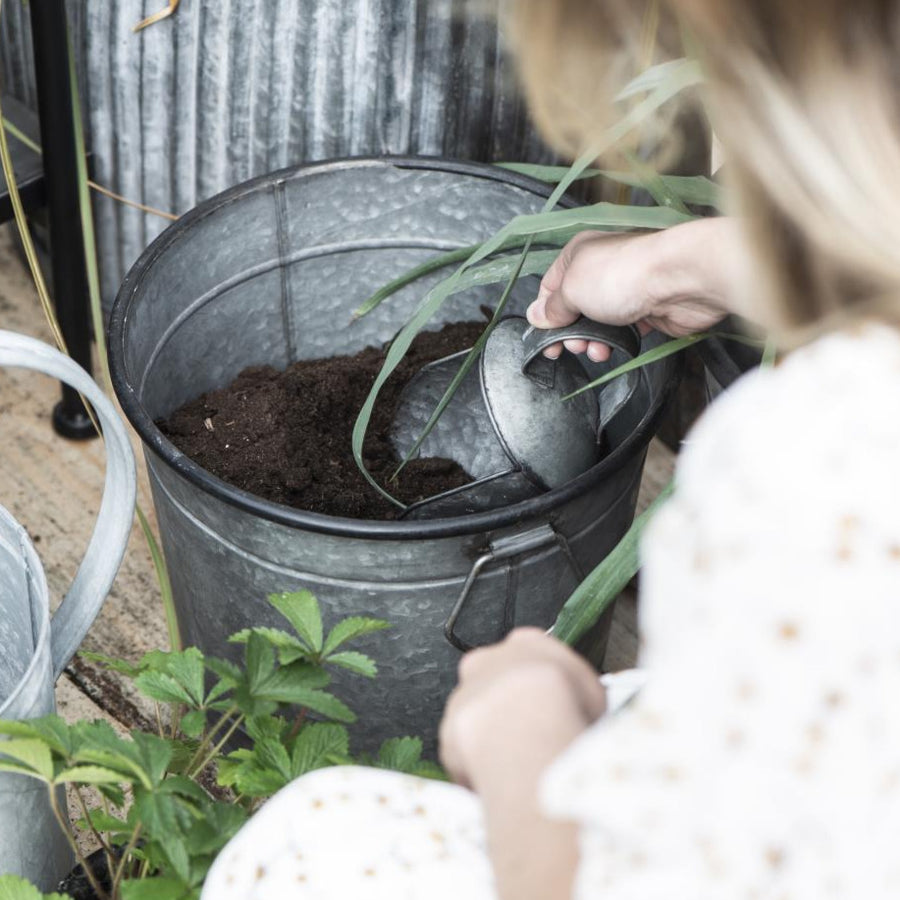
pixel 53 487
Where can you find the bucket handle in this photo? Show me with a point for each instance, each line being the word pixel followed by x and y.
pixel 505 548
pixel 98 569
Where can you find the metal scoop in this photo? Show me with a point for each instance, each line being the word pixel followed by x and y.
pixel 507 424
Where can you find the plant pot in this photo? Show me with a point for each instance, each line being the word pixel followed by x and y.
pixel 725 361
pixel 270 272
pixel 77 885
pixel 37 648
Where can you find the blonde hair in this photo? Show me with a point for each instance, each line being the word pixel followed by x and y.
pixel 805 96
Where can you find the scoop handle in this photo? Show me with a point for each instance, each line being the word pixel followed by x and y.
pixel 620 337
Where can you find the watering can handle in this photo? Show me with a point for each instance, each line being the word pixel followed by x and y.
pixel 625 338
pixel 97 571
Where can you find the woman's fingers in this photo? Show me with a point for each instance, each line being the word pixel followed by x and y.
pixel 554 351
pixel 596 351
pixel 575 345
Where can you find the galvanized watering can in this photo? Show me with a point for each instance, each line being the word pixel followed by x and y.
pixel 35 647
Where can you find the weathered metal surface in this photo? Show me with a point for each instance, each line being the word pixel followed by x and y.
pixel 36 648
pixel 504 422
pixel 271 272
pixel 228 89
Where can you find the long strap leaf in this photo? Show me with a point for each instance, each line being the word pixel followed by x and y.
pixel 468 362
pixel 599 590
pixel 697 190
pixel 93 274
pixel 669 348
pixel 653 184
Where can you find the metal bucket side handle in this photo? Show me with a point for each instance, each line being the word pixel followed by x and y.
pixel 505 548
pixel 97 571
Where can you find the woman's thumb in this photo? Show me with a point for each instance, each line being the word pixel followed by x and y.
pixel 549 310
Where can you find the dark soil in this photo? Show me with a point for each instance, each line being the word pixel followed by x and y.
pixel 285 436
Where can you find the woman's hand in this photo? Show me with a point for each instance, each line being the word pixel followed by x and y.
pixel 518 705
pixel 529 686
pixel 678 281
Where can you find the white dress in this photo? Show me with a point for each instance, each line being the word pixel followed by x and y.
pixel 762 759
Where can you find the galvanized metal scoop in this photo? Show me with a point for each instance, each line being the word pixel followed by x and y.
pixel 507 424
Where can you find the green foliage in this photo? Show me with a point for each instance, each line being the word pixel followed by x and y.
pixel 594 595
pixel 659 84
pixel 14 888
pixel 162 840
pixel 696 190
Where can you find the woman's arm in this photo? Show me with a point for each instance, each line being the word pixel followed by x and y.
pixel 517 707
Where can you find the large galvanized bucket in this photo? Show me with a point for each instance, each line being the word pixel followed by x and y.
pixel 35 647
pixel 270 272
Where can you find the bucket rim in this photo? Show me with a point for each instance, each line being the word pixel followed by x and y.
pixel 372 529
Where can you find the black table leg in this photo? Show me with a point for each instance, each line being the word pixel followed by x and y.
pixel 49 29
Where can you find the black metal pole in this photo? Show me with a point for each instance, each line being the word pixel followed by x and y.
pixel 49 29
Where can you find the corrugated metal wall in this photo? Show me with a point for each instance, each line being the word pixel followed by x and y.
pixel 228 89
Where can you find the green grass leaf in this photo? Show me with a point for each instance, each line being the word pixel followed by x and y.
pixel 186 667
pixel 123 667
pixel 225 669
pixel 158 888
pixel 595 594
pixel 301 609
pixel 259 660
pixel 355 662
pixel 221 821
pixel 316 745
pixel 193 723
pixel 323 703
pixel 103 821
pixel 52 730
pixel 655 186
pixel 289 647
pixel 98 744
pixel 181 786
pixel 272 754
pixel 400 754
pixel 349 629
pixel 161 687
pixel 682 72
pixel 253 781
pixel 88 775
pixel 426 268
pixel 468 362
pixel 696 190
pixel 289 682
pixel 655 354
pixel 153 753
pixel 161 815
pixel 14 888
pixel 35 755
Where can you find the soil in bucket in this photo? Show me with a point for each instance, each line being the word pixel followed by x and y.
pixel 285 436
